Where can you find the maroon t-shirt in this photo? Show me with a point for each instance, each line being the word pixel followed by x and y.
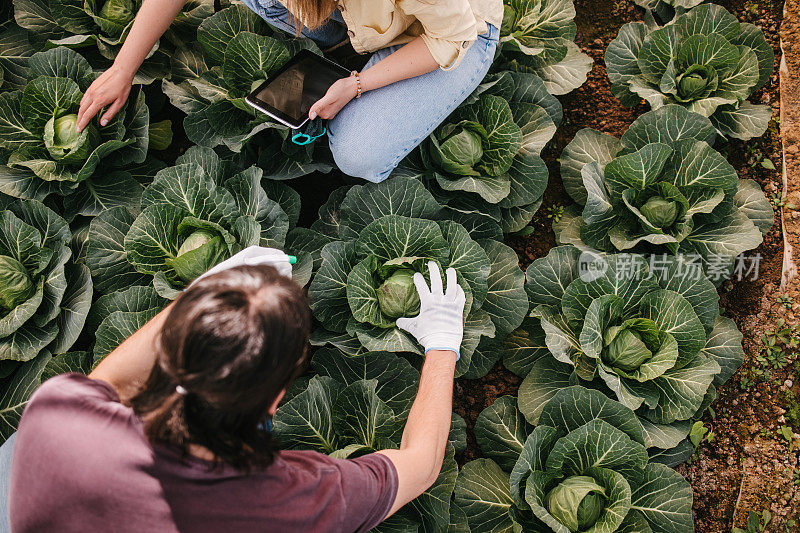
pixel 82 463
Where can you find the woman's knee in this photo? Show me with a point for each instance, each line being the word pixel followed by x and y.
pixel 362 160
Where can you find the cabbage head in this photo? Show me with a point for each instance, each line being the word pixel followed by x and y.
pixel 45 152
pixel 382 234
pixel 195 214
pixel 235 52
pixel 661 189
pixel 645 331
pixel 704 60
pixel 537 37
pixel 397 295
pixel 44 300
pixel 484 161
pixel 584 467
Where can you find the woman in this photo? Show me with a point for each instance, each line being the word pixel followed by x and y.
pixel 429 56
pixel 169 432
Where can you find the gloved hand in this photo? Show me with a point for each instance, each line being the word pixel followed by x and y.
pixel 440 323
pixel 254 255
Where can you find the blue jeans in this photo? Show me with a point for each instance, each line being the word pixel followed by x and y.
pixel 5 481
pixel 370 136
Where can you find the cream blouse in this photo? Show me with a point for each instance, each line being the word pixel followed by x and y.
pixel 448 27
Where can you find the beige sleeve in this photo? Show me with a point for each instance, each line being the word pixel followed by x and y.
pixel 449 27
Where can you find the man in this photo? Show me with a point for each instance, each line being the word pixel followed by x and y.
pixel 169 432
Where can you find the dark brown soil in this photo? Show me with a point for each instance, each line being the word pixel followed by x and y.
pixel 747 466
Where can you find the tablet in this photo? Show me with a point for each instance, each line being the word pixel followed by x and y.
pixel 288 94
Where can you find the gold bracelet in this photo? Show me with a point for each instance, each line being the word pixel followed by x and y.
pixel 357 76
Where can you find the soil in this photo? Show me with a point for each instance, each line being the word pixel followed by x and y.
pixel 749 463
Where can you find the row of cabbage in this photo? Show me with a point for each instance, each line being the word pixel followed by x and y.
pixel 625 345
pixel 615 372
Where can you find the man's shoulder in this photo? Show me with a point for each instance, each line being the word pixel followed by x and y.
pixel 74 386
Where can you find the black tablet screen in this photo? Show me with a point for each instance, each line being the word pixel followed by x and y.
pixel 294 91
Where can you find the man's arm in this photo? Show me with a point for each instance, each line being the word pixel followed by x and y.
pixel 129 365
pixel 419 459
pixel 439 328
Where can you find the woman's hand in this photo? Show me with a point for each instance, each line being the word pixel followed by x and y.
pixel 112 87
pixel 338 96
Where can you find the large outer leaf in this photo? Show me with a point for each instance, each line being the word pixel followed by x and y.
pixel 682 390
pixel 523 347
pixel 572 407
pixel 397 379
pixel 596 444
pixel 186 186
pixel 588 146
pixel 480 265
pixel 361 416
pixel 328 289
pixel 74 307
pixel 392 236
pixel 15 50
pixel 105 251
pixel 216 32
pixel 248 56
pixel 103 192
pixel 17 390
pixel 666 125
pixel 665 499
pixel 115 317
pixel 306 421
pixel 131 300
pixel 724 345
pixel 482 492
pixel 751 201
pixel 547 278
pixel 506 301
pixel 566 75
pixel 501 431
pixel 540 27
pixel 622 60
pixel 364 204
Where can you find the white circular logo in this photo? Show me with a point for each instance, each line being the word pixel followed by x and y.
pixel 591 265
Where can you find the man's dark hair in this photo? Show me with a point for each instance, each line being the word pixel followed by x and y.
pixel 233 341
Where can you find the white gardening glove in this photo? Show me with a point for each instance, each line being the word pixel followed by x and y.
pixel 254 255
pixel 440 322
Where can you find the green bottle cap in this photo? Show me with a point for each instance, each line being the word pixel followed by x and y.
pixel 292 260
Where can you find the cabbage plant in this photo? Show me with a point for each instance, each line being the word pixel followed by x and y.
pixel 104 25
pixel 583 467
pixel 236 53
pixel 194 215
pixel 44 300
pixel 704 60
pixel 47 155
pixel 661 188
pixel 357 405
pixel 381 235
pixel 646 331
pixel 537 36
pixel 489 148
